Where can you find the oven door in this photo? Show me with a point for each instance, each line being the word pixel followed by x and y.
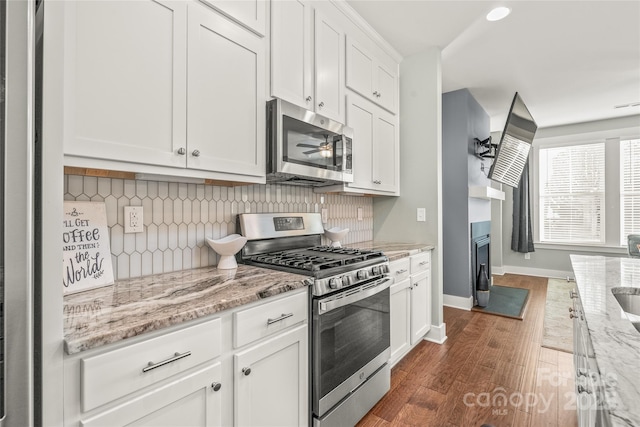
pixel 351 340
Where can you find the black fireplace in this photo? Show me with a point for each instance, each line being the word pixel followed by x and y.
pixel 480 252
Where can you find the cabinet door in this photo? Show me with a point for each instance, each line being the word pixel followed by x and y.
pixel 250 13
pixel 329 66
pixel 271 381
pixel 291 52
pixel 387 87
pixel 400 319
pixel 226 97
pixel 360 65
pixel 385 153
pixel 191 400
pixel 361 118
pixel 420 305
pixel 125 80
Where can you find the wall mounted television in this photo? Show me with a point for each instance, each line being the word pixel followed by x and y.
pixel 513 149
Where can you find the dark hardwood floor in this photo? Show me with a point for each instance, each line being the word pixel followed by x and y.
pixel 491 370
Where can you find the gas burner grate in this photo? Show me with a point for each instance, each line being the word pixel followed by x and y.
pixel 316 258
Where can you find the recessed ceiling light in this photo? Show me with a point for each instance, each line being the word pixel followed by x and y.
pixel 498 13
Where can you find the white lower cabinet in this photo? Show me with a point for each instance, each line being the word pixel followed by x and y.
pixel 191 400
pixel 400 319
pixel 270 381
pixel 199 375
pixel 410 303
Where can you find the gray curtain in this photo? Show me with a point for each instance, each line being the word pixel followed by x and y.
pixel 522 234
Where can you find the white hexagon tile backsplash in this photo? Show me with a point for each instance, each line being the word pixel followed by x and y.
pixel 178 216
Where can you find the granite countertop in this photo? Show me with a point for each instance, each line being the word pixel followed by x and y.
pixel 133 307
pixel 393 250
pixel 616 343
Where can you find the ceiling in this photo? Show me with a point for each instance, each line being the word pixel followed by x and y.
pixel 570 61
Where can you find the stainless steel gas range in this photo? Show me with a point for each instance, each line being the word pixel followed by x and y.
pixel 348 308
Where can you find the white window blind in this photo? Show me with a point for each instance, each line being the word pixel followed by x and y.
pixel 629 188
pixel 572 194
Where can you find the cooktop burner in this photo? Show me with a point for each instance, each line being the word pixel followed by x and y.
pixel 317 258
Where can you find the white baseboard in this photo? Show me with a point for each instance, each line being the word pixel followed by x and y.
pixel 498 271
pixel 463 303
pixel 437 334
pixel 537 272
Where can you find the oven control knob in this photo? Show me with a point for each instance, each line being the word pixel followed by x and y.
pixel 335 283
pixel 385 268
pixel 362 274
pixel 347 281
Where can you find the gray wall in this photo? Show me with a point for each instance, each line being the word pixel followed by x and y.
pixel 463 119
pixel 420 171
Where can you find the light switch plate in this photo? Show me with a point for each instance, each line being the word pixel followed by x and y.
pixel 133 219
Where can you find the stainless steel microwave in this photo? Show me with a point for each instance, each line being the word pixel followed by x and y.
pixel 305 148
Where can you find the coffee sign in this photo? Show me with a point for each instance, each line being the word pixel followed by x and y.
pixel 85 247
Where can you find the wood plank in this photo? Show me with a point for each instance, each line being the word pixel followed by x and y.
pixel 483 354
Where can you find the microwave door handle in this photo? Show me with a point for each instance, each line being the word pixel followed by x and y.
pixel 338 143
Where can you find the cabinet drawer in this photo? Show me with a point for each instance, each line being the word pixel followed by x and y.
pixel 114 374
pixel 399 269
pixel 420 262
pixel 268 318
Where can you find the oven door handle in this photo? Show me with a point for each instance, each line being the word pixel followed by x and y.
pixel 380 285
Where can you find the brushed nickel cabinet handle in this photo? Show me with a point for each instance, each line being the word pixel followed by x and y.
pixel 279 319
pixel 246 371
pixel 176 356
pixel 321 105
pixel 182 151
pixel 195 153
pixel 308 99
pixel 401 271
pixel 216 386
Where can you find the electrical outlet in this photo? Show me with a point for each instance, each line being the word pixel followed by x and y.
pixel 421 215
pixel 527 256
pixel 325 215
pixel 360 214
pixel 133 219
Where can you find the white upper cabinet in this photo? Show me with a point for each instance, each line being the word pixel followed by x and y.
pixel 226 113
pixel 329 60
pixel 291 52
pixel 307 58
pixel 124 89
pixel 371 76
pixel 172 88
pixel 250 13
pixel 375 147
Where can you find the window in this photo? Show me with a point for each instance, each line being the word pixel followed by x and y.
pixel 572 194
pixel 629 188
pixel 586 189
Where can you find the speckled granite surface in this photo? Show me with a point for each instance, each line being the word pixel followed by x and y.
pixel 135 306
pixel 616 342
pixel 393 250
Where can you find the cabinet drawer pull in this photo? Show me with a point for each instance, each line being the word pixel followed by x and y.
pixel 195 153
pixel 176 356
pixel 216 386
pixel 308 99
pixel 401 271
pixel 321 105
pixel 182 151
pixel 278 319
pixel 423 263
pixel 246 371
pixel 573 294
